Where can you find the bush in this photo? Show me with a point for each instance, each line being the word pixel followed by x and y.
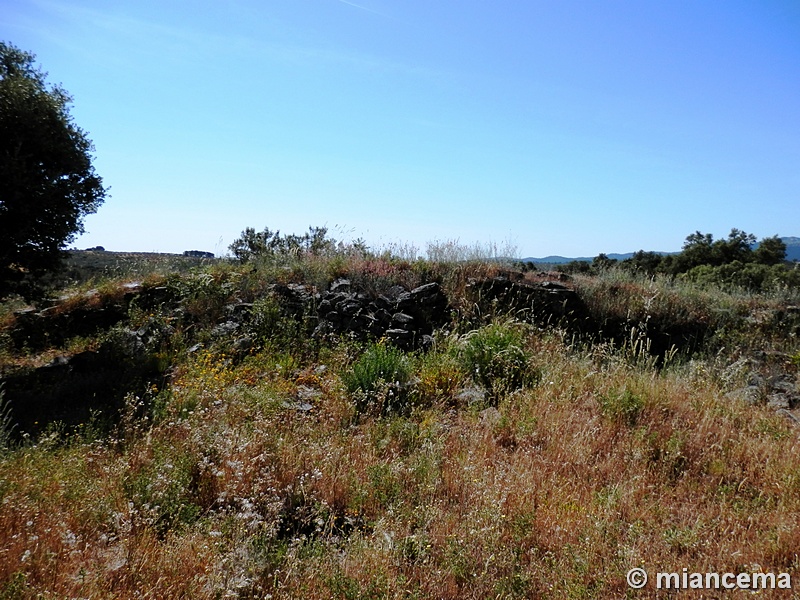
pixel 495 357
pixel 439 377
pixel 751 277
pixel 268 323
pixel 622 406
pixel 380 378
pixel 252 244
pixel 203 294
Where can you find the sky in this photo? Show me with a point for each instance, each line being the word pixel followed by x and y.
pixel 553 127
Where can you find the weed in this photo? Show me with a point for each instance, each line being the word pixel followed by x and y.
pixel 439 376
pixel 7 424
pixel 622 406
pixel 162 491
pixel 380 378
pixel 496 358
pixel 269 326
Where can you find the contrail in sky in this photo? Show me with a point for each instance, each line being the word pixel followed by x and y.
pixel 359 6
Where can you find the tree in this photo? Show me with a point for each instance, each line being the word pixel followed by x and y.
pixel 252 244
pixel 770 251
pixel 47 181
pixel 647 263
pixel 701 249
pixel 697 250
pixel 738 246
pixel 602 262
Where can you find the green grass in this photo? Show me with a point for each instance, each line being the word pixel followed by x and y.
pixel 379 379
pixel 496 358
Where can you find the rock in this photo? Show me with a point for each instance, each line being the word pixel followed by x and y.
pixel 777 391
pixel 375 326
pixel 295 299
pixel 335 319
pixel 243 343
pixel 426 343
pixel 779 400
pixel 400 337
pixel 53 326
pixel 385 304
pixel 58 361
pixel 86 362
pixel 343 309
pixel 300 406
pixel 239 312
pixel 73 388
pixel 323 329
pixel 490 416
pixel 123 344
pixel 340 285
pixel 402 320
pixel 384 317
pixel 471 396
pixel 751 394
pixel 225 329
pixel 544 303
pixel 394 292
pixel 307 394
pixel 350 308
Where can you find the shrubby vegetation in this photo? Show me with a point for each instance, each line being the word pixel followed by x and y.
pixel 252 245
pixel 379 380
pixel 737 262
pixel 495 357
pixel 506 460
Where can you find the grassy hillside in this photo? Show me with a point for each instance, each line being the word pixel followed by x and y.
pixel 209 434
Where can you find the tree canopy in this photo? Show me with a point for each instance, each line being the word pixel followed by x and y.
pixel 738 260
pixel 47 181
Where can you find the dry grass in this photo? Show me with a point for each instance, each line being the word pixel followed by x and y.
pixel 235 493
pixel 230 488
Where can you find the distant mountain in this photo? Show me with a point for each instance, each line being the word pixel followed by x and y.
pixel 792 247
pixel 560 260
pixel 792 253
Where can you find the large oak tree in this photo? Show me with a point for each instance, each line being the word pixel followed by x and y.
pixel 47 181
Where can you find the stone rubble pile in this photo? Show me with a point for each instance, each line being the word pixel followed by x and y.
pixel 406 318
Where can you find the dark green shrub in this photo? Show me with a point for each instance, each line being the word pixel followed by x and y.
pixel 204 294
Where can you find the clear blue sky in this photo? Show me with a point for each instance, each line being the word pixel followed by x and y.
pixel 566 127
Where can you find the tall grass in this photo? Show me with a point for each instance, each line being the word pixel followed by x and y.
pixel 7 424
pixel 379 379
pixel 496 358
pixel 338 470
pixel 453 251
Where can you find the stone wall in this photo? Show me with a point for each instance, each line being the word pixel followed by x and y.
pixel 405 317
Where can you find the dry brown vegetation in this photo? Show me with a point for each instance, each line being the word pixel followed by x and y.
pixel 221 483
